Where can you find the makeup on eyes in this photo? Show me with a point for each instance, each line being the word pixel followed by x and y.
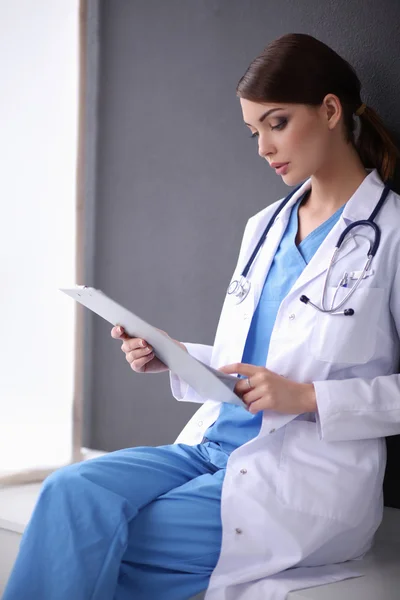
pixel 281 125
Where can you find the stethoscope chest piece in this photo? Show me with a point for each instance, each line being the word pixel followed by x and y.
pixel 239 289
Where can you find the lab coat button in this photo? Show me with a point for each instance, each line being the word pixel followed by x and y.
pixel 238 530
pixel 200 423
pixel 243 471
pixel 272 430
pixel 292 316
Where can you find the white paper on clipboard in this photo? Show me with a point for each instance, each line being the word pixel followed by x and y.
pixel 206 381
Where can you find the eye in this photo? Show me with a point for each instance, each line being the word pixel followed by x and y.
pixel 280 125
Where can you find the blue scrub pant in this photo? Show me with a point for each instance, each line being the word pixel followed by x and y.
pixel 137 524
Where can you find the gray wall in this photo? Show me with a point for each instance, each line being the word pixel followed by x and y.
pixel 177 175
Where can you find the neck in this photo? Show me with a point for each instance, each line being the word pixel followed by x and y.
pixel 336 181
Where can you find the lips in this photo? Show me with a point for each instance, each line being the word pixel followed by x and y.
pixel 283 169
pixel 276 165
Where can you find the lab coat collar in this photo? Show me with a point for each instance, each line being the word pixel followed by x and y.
pixel 285 212
pixel 365 198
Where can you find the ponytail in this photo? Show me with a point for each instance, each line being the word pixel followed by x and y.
pixel 375 145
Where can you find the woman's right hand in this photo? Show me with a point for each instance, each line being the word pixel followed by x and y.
pixel 139 353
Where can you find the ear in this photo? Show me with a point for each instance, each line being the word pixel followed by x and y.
pixel 333 111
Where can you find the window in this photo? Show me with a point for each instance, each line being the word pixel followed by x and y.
pixel 39 62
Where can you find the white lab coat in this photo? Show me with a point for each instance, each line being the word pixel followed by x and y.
pixel 306 493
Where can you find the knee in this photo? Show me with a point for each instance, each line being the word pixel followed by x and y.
pixel 63 478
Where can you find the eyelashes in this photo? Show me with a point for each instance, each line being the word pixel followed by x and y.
pixel 279 127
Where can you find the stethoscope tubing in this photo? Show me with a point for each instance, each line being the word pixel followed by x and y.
pixel 241 289
pixel 266 231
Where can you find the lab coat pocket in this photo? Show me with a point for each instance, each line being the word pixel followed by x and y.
pixel 332 480
pixel 348 339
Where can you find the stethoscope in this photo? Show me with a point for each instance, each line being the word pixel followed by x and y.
pixel 239 288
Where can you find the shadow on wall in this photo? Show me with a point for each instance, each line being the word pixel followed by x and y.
pixel 391 482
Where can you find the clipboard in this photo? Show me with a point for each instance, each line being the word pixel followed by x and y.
pixel 206 381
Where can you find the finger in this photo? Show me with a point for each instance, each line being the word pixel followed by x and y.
pixel 251 396
pixel 118 332
pixel 139 364
pixel 136 354
pixel 242 386
pixel 241 369
pixel 255 407
pixel 133 344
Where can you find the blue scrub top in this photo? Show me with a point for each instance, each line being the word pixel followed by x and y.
pixel 235 425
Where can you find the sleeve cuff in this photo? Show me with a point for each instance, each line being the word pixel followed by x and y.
pixel 327 410
pixel 180 389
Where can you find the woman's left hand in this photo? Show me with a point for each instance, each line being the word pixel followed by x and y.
pixel 265 390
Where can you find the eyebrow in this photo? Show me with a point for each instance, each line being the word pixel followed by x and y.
pixel 265 115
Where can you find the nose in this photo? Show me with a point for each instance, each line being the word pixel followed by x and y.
pixel 265 148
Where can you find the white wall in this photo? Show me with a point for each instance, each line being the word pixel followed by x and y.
pixel 38 124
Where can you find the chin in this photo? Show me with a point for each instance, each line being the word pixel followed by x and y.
pixel 293 179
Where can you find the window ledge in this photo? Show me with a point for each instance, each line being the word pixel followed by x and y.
pixel 18 501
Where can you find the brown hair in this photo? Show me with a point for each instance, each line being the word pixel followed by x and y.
pixel 298 68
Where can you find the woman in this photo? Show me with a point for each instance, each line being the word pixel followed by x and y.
pixel 300 472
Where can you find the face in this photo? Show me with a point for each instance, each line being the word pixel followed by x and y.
pixel 297 134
